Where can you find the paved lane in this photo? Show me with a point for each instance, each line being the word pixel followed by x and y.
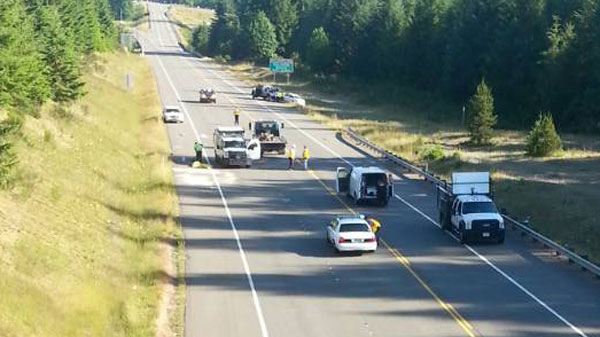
pixel 302 287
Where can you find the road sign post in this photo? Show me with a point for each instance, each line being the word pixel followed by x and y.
pixel 285 66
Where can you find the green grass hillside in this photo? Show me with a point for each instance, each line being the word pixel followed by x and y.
pixel 82 231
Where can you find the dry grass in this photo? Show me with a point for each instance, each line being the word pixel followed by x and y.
pixel 559 193
pixel 190 16
pixel 81 231
pixel 186 19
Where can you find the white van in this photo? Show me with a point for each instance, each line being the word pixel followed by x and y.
pixel 370 184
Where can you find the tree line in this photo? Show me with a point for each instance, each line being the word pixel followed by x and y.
pixel 43 44
pixel 536 55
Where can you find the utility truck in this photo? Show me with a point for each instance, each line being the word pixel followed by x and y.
pixel 467 209
pixel 365 184
pixel 231 149
pixel 268 133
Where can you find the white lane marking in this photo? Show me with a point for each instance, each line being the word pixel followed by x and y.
pixel 535 298
pixel 257 306
pixel 471 249
pixel 156 28
pixel 481 257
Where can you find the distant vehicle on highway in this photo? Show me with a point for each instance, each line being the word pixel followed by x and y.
pixel 293 98
pixel 262 91
pixel 365 184
pixel 466 208
pixel 351 233
pixel 172 113
pixel 268 133
pixel 231 149
pixel 266 92
pixel 208 96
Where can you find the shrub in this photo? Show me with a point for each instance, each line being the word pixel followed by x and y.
pixel 432 153
pixel 481 115
pixel 543 140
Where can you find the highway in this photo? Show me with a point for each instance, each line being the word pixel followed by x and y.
pixel 258 263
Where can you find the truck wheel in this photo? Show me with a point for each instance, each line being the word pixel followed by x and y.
pixel 500 240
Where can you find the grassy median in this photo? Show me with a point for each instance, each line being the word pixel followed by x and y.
pixel 88 232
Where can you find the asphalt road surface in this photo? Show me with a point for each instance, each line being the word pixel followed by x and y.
pixel 258 263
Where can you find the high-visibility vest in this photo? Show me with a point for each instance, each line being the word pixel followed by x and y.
pixel 375 225
pixel 305 154
pixel 236 112
pixel 291 154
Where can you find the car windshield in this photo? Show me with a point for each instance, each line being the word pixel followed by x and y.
pixel 479 207
pixel 235 143
pixel 354 227
pixel 172 110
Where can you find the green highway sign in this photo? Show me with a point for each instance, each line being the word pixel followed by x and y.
pixel 281 65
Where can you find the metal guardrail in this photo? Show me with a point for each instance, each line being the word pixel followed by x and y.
pixel 525 229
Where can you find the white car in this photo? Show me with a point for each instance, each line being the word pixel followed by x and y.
pixel 351 234
pixel 172 113
pixel 293 98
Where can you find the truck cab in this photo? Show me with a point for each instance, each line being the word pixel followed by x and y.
pixel 228 131
pixel 466 208
pixel 365 184
pixel 232 150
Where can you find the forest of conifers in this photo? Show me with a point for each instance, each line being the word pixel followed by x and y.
pixel 43 44
pixel 536 55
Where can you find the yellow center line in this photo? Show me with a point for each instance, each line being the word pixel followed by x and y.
pixel 460 320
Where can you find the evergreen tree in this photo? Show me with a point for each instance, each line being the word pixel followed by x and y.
pixel 285 19
pixel 122 9
pixel 263 41
pixel 80 17
pixel 8 159
pixel 200 39
pixel 59 55
pixel 107 26
pixel 543 140
pixel 22 72
pixel 225 30
pixel 481 115
pixel 318 50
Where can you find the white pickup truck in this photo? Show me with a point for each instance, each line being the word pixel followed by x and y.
pixel 466 208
